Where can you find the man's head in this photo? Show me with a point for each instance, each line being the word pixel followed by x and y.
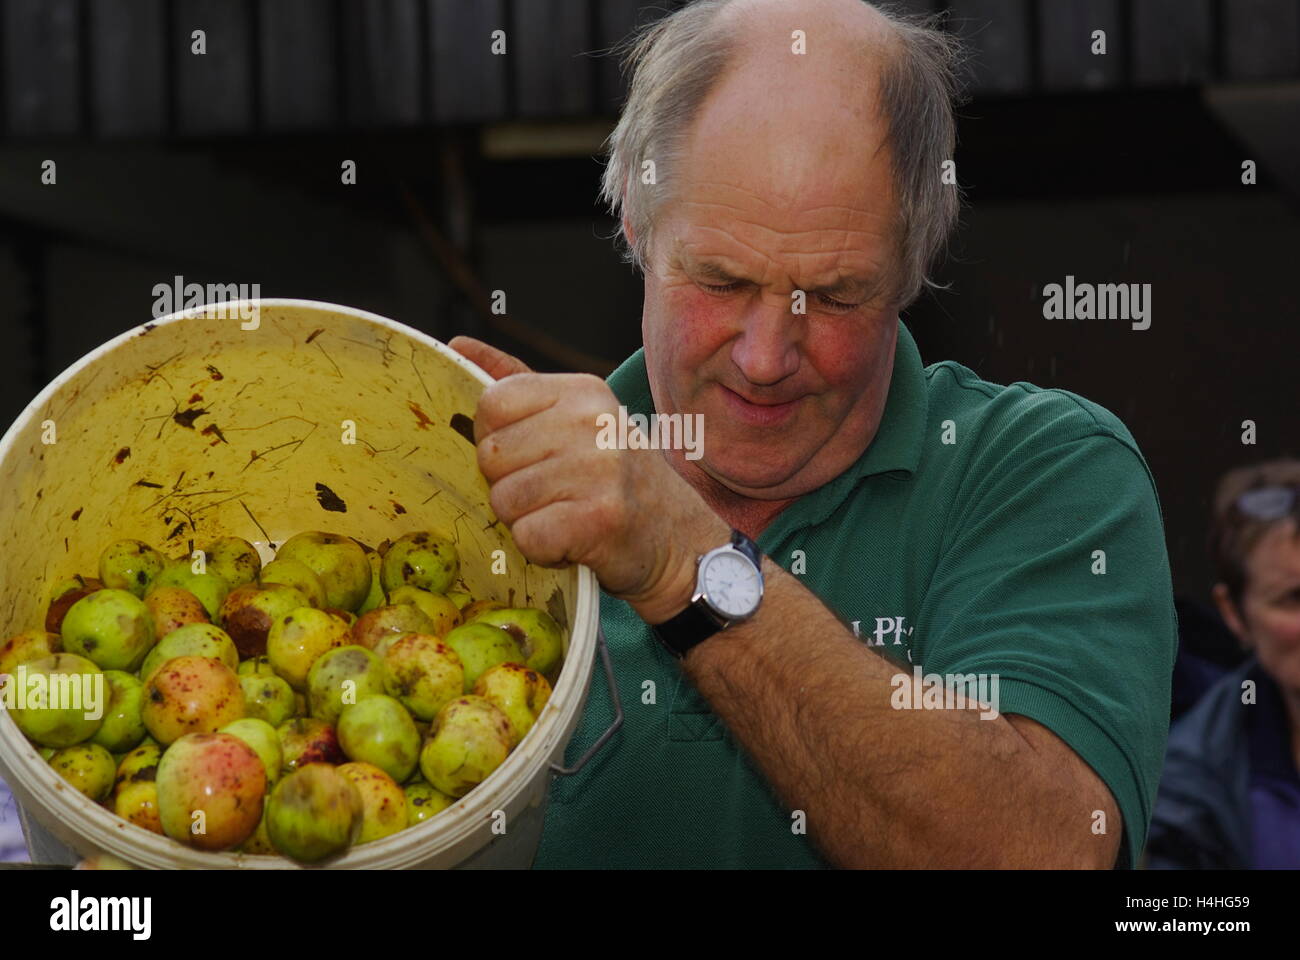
pixel 1255 545
pixel 781 172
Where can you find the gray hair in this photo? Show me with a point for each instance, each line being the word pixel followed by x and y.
pixel 676 60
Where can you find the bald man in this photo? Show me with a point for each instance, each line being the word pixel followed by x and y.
pixel 887 615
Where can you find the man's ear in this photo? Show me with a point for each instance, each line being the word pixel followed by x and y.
pixel 1228 610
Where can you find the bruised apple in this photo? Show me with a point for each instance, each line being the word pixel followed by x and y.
pixel 191 695
pixel 211 787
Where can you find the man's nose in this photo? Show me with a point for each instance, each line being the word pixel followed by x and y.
pixel 767 350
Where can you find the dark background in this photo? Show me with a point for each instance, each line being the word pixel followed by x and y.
pixel 478 172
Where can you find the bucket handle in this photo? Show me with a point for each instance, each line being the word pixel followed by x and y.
pixel 618 710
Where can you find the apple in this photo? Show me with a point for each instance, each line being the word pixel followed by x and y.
pixel 341 677
pixel 234 560
pixel 420 560
pixel 112 628
pixel 481 646
pixel 441 611
pixel 294 573
pixel 378 730
pixel 135 789
pixel 191 695
pixel 315 812
pixel 383 804
pixel 339 561
pixel 460 598
pixel 123 724
pixel 130 565
pixel 209 588
pixel 297 639
pixel 191 640
pixel 88 767
pixel 518 692
pixel 306 740
pixel 218 776
pixel 261 736
pixel 266 698
pixel 423 800
pixel 65 699
pixel 259 844
pixel 249 612
pixel 423 674
pixel 539 637
pixel 471 738
pixel 384 621
pixel 173 607
pixel 27 646
pixel 471 611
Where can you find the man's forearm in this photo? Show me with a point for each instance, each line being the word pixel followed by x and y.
pixel 811 704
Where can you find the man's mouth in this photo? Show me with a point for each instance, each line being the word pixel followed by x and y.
pixel 759 413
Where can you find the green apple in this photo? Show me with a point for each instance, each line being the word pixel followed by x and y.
pixel 423 800
pixel 315 812
pixel 471 738
pixel 339 561
pixel 423 674
pixel 378 730
pixel 261 736
pixel 383 804
pixel 112 628
pixel 123 726
pixel 518 692
pixel 297 639
pixel 65 699
pixel 234 560
pixel 441 611
pixel 340 677
pixel 135 788
pixel 294 573
pixel 472 611
pixel 191 640
pixel 539 637
pixel 88 767
pixel 460 598
pixel 420 560
pixel 481 646
pixel 250 610
pixel 130 565
pixel 267 698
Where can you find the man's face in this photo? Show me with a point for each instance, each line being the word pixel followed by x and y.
pixel 1271 604
pixel 775 193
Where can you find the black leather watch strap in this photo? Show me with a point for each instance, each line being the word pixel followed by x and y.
pixel 682 632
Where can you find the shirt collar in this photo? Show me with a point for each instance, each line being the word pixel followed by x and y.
pixel 895 449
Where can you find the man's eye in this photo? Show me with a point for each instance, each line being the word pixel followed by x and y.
pixel 721 288
pixel 836 305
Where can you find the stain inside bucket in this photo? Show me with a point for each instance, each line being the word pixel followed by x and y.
pixel 330 500
pixel 463 425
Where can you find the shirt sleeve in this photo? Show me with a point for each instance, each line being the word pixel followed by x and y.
pixel 1054 578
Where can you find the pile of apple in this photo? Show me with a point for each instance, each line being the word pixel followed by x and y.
pixel 334 696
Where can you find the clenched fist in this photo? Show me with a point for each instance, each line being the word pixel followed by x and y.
pixel 626 514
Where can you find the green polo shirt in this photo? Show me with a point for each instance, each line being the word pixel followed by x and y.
pixel 987 529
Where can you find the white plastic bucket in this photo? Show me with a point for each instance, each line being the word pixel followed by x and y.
pixel 131 458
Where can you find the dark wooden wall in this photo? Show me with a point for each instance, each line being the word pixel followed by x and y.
pixel 124 68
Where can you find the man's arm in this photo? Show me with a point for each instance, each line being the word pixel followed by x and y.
pixel 881 787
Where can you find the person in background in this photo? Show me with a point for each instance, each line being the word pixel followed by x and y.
pixel 12 847
pixel 1230 794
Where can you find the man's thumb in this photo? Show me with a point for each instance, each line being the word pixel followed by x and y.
pixel 497 363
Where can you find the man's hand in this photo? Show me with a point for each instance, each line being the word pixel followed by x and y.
pixel 624 513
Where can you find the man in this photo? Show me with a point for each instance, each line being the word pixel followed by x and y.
pixel 779 174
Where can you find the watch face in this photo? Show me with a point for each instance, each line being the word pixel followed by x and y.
pixel 731 584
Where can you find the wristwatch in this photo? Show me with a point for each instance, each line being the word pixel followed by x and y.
pixel 728 590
